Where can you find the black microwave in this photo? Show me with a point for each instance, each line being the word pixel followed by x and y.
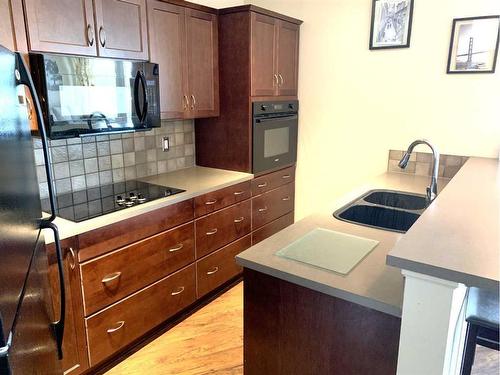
pixel 90 96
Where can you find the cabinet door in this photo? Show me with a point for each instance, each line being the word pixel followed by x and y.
pixel 167 48
pixel 263 55
pixel 122 28
pixel 63 26
pixel 202 63
pixel 288 58
pixel 75 358
pixel 12 29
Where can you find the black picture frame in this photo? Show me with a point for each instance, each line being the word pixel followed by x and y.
pixel 372 27
pixel 453 41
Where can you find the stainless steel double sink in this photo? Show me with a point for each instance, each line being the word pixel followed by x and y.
pixel 384 209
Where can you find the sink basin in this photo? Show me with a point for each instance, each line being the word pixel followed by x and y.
pixel 384 209
pixel 397 199
pixel 379 217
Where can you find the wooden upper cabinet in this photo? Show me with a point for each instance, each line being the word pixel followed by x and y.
pixel 167 48
pixel 288 58
pixel 62 26
pixel 263 55
pixel 202 63
pixel 122 28
pixel 275 55
pixel 12 28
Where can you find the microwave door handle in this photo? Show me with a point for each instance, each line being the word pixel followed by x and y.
pixel 136 96
pixel 144 93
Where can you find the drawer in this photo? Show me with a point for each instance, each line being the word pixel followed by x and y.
pixel 108 278
pixel 271 205
pixel 102 240
pixel 273 227
pixel 210 202
pixel 272 180
pixel 120 324
pixel 222 227
pixel 217 268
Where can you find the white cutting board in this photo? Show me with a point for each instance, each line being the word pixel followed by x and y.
pixel 333 251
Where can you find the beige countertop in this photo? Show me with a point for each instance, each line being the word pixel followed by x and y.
pixel 195 180
pixel 372 283
pixel 458 236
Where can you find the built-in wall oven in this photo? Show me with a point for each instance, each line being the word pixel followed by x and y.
pixel 275 128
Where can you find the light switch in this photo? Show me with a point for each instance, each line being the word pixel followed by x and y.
pixel 166 144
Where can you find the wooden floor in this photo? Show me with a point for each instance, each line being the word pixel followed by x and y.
pixel 211 342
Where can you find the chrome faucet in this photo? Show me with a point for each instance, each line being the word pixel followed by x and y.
pixel 432 189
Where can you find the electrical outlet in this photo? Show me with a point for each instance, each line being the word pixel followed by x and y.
pixel 166 144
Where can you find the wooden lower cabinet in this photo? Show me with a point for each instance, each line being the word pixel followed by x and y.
pixel 115 327
pixel 109 278
pixel 217 268
pixel 273 204
pixel 222 227
pixel 75 359
pixel 273 227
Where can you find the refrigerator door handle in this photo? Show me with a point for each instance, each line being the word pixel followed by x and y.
pixel 58 326
pixel 24 78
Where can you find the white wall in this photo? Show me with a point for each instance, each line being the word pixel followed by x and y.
pixel 357 104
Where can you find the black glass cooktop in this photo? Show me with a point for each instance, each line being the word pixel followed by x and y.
pixel 86 204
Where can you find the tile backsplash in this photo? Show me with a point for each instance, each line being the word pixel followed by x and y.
pixel 420 163
pixel 82 163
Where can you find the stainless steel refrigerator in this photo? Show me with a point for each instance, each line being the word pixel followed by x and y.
pixel 30 331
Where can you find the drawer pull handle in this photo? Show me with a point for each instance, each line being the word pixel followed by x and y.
pixel 177 248
pixel 111 277
pixel 239 220
pixel 285 176
pixel 211 232
pixel 119 325
pixel 285 199
pixel 178 291
pixel 262 185
pixel 209 203
pixel 212 271
pixel 238 192
pixel 263 209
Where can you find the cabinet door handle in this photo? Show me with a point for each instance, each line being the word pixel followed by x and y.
pixel 239 220
pixel 285 199
pixel 262 185
pixel 177 248
pixel 102 36
pixel 213 270
pixel 238 192
pixel 211 232
pixel 72 262
pixel 285 176
pixel 212 202
pixel 119 325
pixel 111 277
pixel 281 79
pixel 178 291
pixel 185 102
pixel 275 79
pixel 193 101
pixel 90 35
pixel 263 209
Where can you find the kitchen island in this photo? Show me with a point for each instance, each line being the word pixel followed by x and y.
pixel 373 291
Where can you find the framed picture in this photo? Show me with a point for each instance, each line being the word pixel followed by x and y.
pixel 391 24
pixel 474 45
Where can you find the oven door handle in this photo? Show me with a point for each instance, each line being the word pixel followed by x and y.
pixel 276 119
